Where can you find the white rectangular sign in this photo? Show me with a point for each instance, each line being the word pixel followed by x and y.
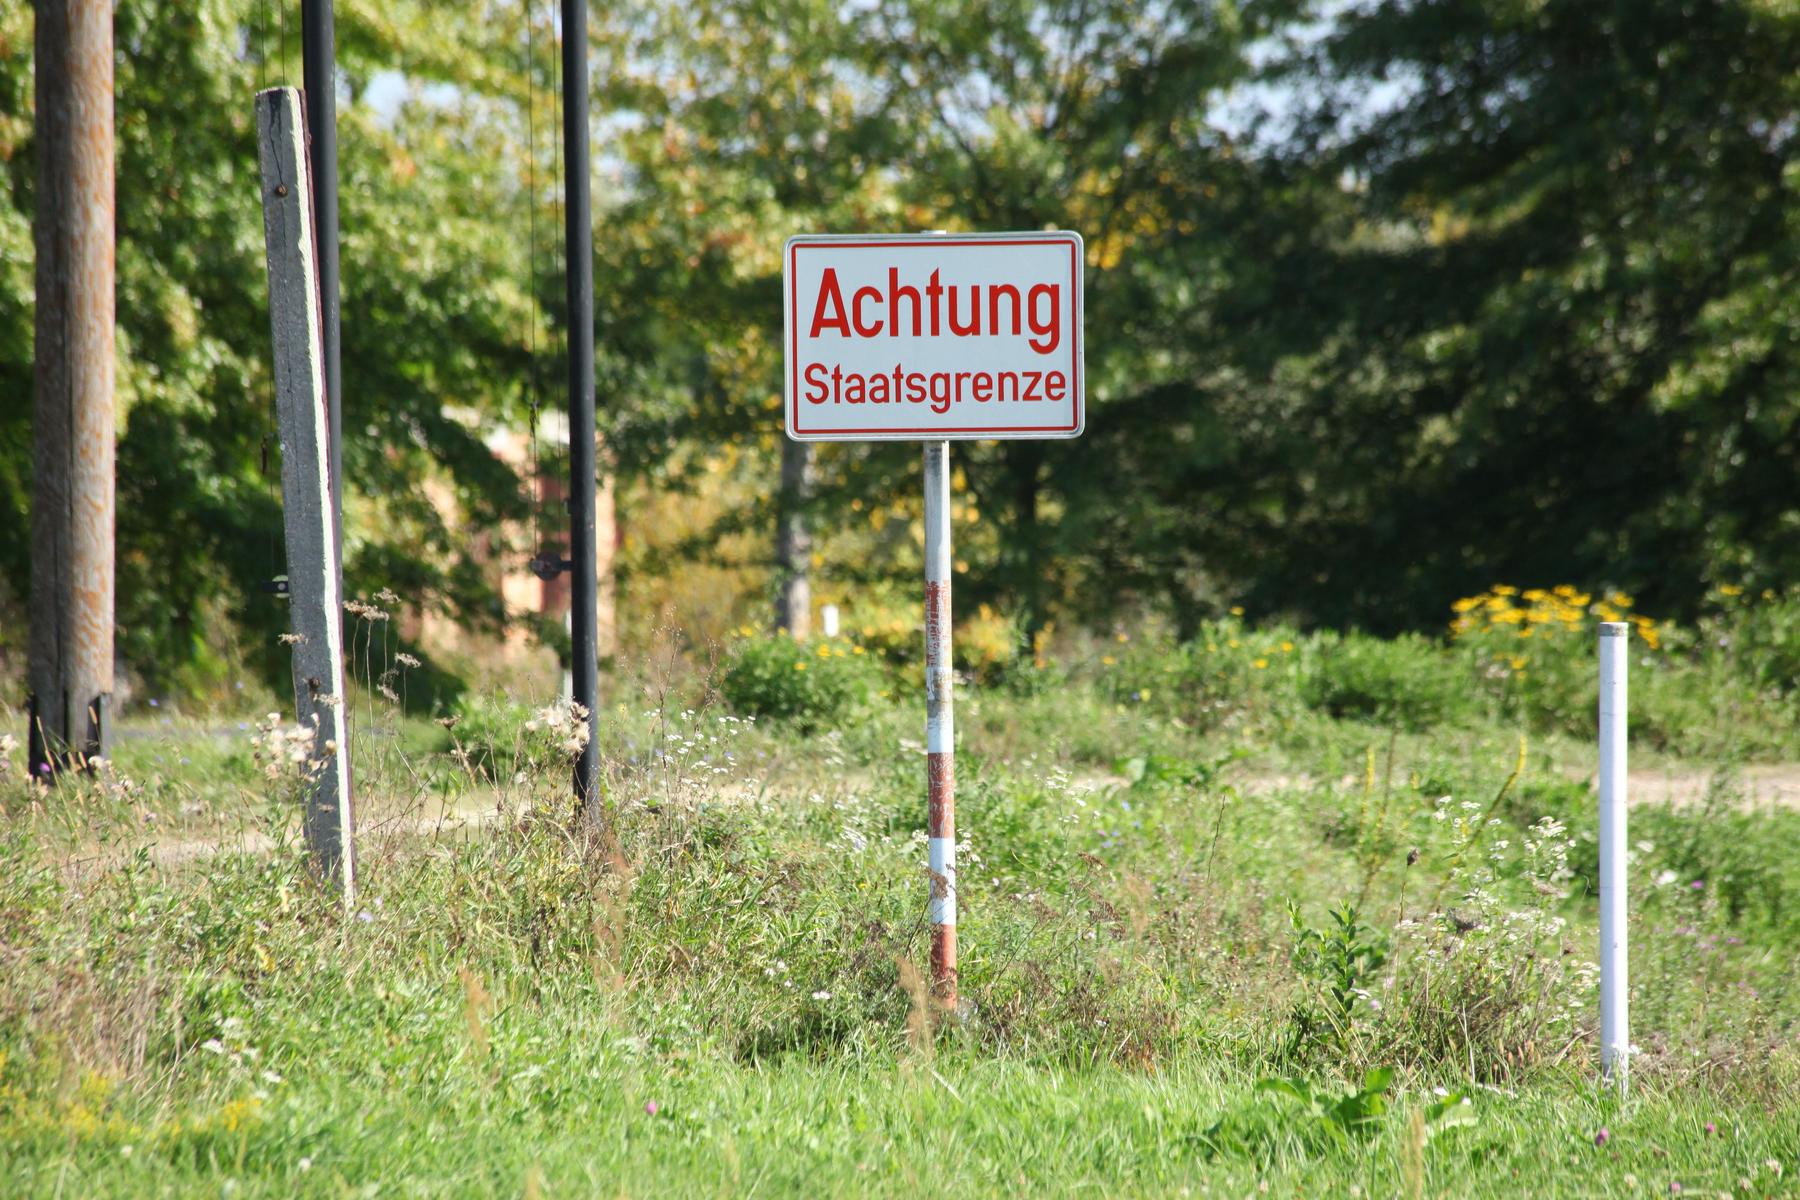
pixel 922 337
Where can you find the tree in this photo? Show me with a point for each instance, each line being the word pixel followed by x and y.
pixel 904 115
pixel 1562 344
pixel 437 304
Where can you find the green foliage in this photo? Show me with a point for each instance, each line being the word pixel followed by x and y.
pixel 437 310
pixel 1497 295
pixel 1527 367
pixel 1396 682
pixel 740 949
pixel 1342 957
pixel 1353 1115
pixel 499 737
pixel 815 683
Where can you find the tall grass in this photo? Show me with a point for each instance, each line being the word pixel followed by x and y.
pixel 1209 893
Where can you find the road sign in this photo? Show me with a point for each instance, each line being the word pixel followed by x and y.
pixel 933 337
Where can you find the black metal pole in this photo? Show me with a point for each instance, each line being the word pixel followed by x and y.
pixel 578 251
pixel 318 50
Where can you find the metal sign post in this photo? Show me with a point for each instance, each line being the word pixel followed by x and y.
pixel 578 258
pixel 934 338
pixel 318 59
pixel 940 725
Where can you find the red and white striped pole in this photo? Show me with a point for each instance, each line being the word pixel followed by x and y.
pixel 940 725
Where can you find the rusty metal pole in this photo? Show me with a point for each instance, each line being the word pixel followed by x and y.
pixel 940 726
pixel 71 645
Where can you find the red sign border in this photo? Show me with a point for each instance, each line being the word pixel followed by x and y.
pixel 971 432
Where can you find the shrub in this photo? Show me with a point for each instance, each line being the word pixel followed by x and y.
pixel 1534 654
pixel 1224 674
pixel 1403 681
pixel 1757 634
pixel 809 683
pixel 502 737
pixel 1724 687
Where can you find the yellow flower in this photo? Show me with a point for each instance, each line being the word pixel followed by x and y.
pixel 856 649
pixel 1124 638
pixel 1517 664
pixel 824 651
pixel 1465 604
pixel 1287 647
pixel 1260 663
pixel 1727 589
pixel 1501 589
pixel 799 666
pixel 1237 610
pixel 1109 660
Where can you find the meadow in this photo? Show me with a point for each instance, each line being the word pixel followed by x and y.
pixel 1260 912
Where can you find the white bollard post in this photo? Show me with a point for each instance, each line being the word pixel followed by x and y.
pixel 828 620
pixel 1615 1023
pixel 940 726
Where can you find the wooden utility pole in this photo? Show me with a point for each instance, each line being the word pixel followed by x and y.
pixel 71 647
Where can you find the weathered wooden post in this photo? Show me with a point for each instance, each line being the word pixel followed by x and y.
pixel 315 606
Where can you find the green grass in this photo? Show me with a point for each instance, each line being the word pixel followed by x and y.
pixel 1190 884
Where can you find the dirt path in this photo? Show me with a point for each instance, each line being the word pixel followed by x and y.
pixel 1757 788
pixel 1761 787
pixel 471 814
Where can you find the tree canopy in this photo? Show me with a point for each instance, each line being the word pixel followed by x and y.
pixel 1386 301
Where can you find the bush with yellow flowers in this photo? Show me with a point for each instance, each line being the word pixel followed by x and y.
pixel 812 683
pixel 891 625
pixel 1533 649
pixel 985 644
